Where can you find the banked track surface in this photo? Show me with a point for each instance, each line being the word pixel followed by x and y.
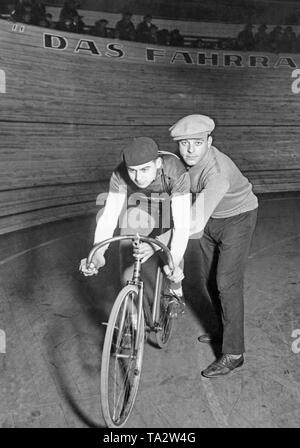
pixel 68 103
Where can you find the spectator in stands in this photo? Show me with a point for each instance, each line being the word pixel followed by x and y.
pixel 144 30
pixel 245 39
pixel 288 43
pixel 50 22
pixel 163 37
pixel 78 24
pixel 70 13
pixel 72 26
pixel 198 43
pixel 100 28
pixel 43 22
pixel 124 29
pixel 153 34
pixel 38 11
pixel 176 39
pixel 7 9
pixel 68 10
pixel 262 38
pixel 27 18
pixel 66 25
pixel 46 21
pixel 19 9
pixel 276 39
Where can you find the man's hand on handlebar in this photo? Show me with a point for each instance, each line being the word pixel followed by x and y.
pixel 145 251
pixel 177 275
pixel 97 263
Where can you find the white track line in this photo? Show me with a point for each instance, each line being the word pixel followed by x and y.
pixel 18 254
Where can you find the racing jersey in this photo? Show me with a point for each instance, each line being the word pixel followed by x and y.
pixel 171 185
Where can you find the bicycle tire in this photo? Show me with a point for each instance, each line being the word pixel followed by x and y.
pixel 120 366
pixel 166 318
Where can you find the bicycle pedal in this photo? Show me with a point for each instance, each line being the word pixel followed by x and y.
pixel 173 312
pixel 179 308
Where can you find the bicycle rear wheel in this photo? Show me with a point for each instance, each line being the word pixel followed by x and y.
pixel 166 317
pixel 121 363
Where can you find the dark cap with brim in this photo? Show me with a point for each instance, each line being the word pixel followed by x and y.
pixel 140 150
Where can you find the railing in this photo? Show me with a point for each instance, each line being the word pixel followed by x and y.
pixel 194 40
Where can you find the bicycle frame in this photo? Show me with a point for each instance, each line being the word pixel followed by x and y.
pixel 151 318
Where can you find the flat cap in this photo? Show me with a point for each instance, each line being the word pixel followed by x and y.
pixel 192 126
pixel 140 150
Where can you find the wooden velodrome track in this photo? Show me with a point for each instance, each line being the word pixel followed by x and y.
pixel 65 112
pixel 68 108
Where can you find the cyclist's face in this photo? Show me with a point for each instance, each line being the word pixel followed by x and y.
pixel 144 175
pixel 193 149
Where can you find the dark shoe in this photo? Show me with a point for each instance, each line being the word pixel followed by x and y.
pixel 176 304
pixel 210 338
pixel 223 366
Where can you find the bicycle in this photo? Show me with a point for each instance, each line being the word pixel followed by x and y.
pixel 130 322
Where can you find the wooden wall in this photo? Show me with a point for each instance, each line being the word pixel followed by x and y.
pixel 65 115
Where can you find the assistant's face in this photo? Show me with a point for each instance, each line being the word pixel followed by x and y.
pixel 144 175
pixel 193 149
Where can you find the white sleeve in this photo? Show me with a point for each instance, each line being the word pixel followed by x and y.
pixel 181 218
pixel 109 219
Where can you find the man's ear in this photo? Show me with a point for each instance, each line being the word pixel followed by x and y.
pixel 158 162
pixel 209 140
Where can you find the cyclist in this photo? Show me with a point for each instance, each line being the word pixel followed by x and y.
pixel 146 188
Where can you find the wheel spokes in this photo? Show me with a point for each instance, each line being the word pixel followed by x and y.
pixel 124 359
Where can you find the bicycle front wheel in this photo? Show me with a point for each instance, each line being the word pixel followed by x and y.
pixel 122 358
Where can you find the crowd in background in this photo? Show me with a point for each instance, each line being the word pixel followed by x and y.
pixel 34 12
pixel 277 40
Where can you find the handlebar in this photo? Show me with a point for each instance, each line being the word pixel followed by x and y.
pixel 138 237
